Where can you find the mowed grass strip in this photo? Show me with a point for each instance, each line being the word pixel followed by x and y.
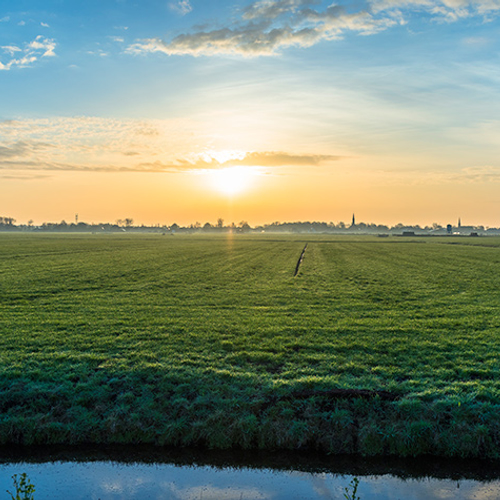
pixel 184 340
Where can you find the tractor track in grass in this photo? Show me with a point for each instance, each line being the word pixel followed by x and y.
pixel 299 262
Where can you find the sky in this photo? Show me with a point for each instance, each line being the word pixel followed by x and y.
pixel 273 110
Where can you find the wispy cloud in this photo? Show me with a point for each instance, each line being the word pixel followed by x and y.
pixel 22 148
pixel 267 26
pixel 450 10
pixel 475 41
pixel 475 174
pixel 24 177
pixel 10 49
pixel 46 46
pixel 182 7
pixel 74 167
pixel 98 52
pixel 271 9
pixel 472 175
pixel 22 57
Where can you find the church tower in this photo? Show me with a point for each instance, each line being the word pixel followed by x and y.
pixel 353 221
pixel 459 222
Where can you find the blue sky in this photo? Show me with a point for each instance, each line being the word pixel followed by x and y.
pixel 386 107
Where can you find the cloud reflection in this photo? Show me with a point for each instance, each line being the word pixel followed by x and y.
pixel 109 481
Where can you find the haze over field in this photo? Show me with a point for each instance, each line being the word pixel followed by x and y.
pixel 184 110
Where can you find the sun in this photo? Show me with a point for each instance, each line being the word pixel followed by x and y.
pixel 232 180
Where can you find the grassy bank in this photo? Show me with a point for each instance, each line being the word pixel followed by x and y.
pixel 378 346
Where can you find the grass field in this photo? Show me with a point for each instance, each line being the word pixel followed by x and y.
pixel 197 340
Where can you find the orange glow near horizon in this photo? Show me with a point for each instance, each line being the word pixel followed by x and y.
pixel 253 194
pixel 259 186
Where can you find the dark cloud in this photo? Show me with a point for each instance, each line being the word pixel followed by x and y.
pixel 23 148
pixel 265 28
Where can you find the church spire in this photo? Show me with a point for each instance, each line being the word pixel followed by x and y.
pixel 353 220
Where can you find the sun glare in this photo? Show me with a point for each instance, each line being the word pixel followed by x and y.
pixel 223 155
pixel 232 180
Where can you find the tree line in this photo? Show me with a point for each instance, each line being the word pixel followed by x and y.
pixel 127 225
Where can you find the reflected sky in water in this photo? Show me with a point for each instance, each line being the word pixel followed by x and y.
pixel 112 480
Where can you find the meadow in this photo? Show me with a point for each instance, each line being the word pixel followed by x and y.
pixel 379 346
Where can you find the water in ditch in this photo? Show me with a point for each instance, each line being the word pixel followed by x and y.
pixel 139 473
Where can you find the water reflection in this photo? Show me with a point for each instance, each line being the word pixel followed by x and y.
pixel 188 476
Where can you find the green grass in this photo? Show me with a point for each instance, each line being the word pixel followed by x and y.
pixel 182 340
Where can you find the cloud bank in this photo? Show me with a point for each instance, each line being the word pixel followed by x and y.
pixel 267 26
pixel 89 144
pixel 266 159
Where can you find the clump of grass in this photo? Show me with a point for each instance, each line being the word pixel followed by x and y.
pixel 23 489
pixel 350 493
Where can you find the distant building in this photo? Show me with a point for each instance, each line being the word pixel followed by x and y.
pixel 353 221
